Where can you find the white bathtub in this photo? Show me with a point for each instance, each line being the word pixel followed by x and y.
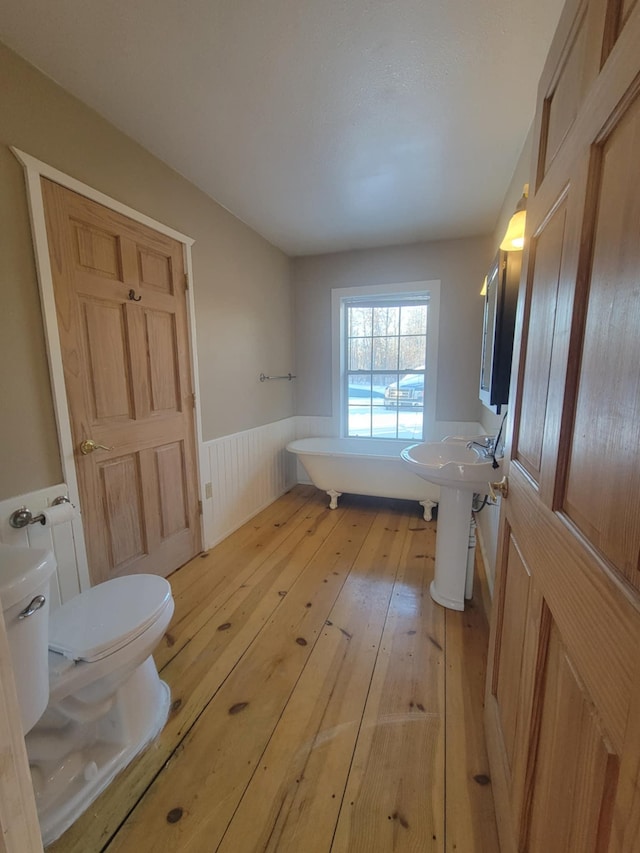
pixel 360 466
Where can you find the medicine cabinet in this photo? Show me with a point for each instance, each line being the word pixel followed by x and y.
pixel 500 304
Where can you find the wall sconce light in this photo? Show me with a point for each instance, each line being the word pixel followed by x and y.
pixel 513 240
pixel 483 292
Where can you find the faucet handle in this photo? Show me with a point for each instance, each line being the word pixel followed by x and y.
pixel 486 442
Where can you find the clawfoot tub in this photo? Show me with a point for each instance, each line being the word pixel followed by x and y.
pixel 362 466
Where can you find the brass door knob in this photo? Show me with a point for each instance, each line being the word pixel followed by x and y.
pixel 89 445
pixel 502 487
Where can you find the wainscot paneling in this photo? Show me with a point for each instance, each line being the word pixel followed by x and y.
pixel 243 473
pixel 72 574
pixel 247 471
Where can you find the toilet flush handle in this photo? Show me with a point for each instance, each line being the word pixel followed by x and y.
pixel 36 604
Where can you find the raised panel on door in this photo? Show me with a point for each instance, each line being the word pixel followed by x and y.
pixel 161 348
pixel 123 505
pixel 542 298
pixel 98 251
pixel 510 665
pixel 106 347
pixel 617 17
pixel 171 488
pixel 603 477
pixel 576 770
pixel 576 66
pixel 155 269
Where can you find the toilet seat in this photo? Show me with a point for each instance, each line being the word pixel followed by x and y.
pixel 107 617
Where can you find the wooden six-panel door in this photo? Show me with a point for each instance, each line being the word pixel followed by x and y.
pixel 120 300
pixel 563 688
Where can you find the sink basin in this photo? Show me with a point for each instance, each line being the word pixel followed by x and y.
pixel 459 471
pixel 450 464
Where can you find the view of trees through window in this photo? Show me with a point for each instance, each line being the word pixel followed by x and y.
pixel 385 347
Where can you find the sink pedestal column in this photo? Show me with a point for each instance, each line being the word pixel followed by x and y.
pixel 452 544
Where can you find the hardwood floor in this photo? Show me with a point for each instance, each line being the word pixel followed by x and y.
pixel 321 700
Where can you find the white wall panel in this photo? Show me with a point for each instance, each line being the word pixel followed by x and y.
pixel 60 539
pixel 248 471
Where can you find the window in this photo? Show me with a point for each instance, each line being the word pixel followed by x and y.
pixel 387 339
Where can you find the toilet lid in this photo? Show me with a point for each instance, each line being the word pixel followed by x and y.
pixel 106 617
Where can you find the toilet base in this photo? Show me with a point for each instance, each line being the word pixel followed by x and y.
pixel 72 764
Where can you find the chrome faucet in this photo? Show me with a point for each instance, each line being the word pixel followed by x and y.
pixel 487 446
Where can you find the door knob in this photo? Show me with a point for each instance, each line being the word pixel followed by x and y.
pixel 88 446
pixel 502 487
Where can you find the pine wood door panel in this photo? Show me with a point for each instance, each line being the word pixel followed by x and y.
pixel 104 331
pixel 97 251
pixel 161 347
pixel 572 756
pixel 618 14
pixel 542 297
pixel 627 6
pixel 575 68
pixel 170 463
pixel 124 512
pixel 155 269
pixel 604 462
pixel 511 632
pixel 120 297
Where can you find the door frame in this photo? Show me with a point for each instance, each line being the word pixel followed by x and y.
pixel 35 170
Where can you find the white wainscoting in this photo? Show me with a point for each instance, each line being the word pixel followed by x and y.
pixel 71 575
pixel 248 471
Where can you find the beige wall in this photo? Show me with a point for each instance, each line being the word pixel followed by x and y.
pixel 242 283
pixel 460 266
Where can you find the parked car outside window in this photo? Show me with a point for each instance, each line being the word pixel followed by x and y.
pixel 365 395
pixel 409 391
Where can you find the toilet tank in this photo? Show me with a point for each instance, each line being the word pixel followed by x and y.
pixel 24 581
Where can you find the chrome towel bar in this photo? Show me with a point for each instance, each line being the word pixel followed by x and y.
pixel 289 376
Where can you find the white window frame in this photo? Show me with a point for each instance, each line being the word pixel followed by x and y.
pixel 340 296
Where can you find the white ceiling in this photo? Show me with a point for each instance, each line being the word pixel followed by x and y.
pixel 322 124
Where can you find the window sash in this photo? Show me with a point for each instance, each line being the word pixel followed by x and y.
pixel 393 373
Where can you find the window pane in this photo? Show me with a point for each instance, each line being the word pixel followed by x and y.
pixel 412 352
pixel 413 320
pixel 359 421
pixel 386 320
pixel 385 353
pixel 359 354
pixel 359 390
pixel 397 423
pixel 385 345
pixel 360 322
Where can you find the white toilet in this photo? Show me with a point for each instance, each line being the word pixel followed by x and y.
pixel 89 692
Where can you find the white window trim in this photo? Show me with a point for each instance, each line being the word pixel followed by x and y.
pixel 340 295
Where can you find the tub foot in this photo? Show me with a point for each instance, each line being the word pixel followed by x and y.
pixel 428 507
pixel 333 503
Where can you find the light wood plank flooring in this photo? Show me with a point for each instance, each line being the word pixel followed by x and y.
pixel 321 700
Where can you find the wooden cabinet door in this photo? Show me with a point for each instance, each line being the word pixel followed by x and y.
pixel 563 687
pixel 120 300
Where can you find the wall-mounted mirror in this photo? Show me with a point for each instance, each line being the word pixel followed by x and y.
pixel 500 304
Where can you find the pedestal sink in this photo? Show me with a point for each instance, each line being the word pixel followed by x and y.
pixel 459 471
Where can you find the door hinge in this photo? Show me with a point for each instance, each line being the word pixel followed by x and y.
pixel 193 399
pixel 186 281
pixel 199 507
